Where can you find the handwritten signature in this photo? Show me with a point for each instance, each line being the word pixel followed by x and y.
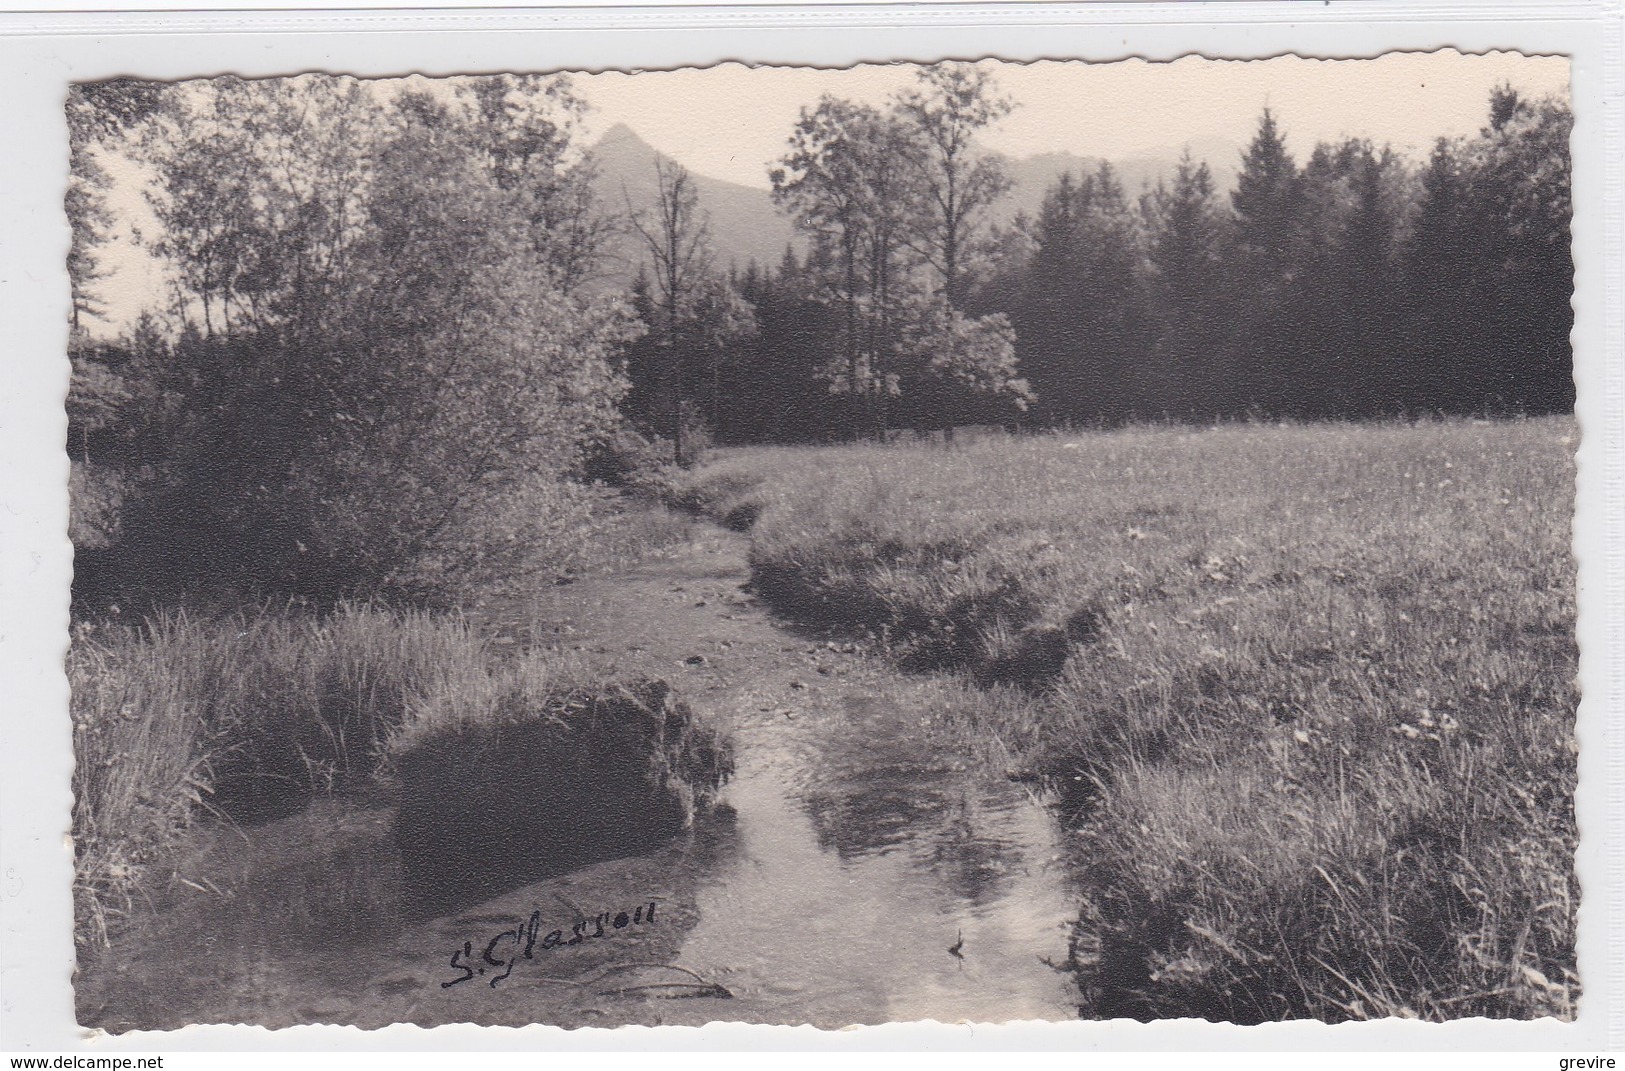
pixel 526 940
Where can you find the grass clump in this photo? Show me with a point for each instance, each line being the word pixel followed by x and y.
pixel 546 781
pixel 1306 694
pixel 139 770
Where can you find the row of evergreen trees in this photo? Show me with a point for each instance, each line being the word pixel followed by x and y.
pixel 1358 284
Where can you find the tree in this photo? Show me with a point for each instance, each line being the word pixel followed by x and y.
pixel 1488 265
pixel 847 181
pixel 821 181
pixel 1268 205
pixel 677 237
pixel 953 103
pixel 1187 247
pixel 100 116
pixel 1339 351
pixel 1439 264
pixel 526 127
pixel 1520 203
pixel 891 199
pixel 719 318
pixel 1083 325
pixel 381 384
pixel 1268 198
pixel 962 368
pixel 781 370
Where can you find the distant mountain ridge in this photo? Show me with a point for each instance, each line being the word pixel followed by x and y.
pixel 747 226
pixel 1034 175
pixel 745 223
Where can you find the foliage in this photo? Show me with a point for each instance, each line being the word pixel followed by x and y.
pixel 951 353
pixel 378 365
pixel 1356 285
pixel 99 116
pixel 1188 240
pixel 1083 317
pixel 951 104
pixel 893 202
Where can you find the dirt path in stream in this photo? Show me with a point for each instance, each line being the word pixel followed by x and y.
pixel 857 870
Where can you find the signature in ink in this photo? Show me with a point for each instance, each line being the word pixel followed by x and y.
pixel 526 940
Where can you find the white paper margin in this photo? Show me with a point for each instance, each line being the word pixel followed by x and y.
pixel 42 52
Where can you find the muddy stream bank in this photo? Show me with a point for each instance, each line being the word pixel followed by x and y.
pixel 858 870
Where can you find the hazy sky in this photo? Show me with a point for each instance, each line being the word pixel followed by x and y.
pixel 730 121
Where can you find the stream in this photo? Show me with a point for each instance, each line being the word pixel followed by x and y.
pixel 859 851
pixel 856 870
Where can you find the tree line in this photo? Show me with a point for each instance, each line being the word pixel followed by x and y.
pixel 1353 286
pixel 1358 284
pixel 391 351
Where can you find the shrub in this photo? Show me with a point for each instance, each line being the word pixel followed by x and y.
pixel 324 420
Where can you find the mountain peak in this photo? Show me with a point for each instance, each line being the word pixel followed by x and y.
pixel 620 136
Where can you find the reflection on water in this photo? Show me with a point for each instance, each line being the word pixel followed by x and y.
pixel 891 793
pixel 873 811
pixel 862 854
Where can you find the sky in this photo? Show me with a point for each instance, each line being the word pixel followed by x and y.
pixel 729 121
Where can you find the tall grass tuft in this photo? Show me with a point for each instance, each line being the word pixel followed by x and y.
pixel 248 717
pixel 140 766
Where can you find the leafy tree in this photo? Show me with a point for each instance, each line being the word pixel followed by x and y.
pixel 100 116
pixel 891 200
pixel 957 182
pixel 848 181
pixel 962 369
pixel 821 181
pixel 382 374
pixel 526 127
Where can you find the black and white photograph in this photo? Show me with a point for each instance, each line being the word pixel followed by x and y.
pixel 957 540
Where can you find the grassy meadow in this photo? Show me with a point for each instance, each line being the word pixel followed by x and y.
pixel 1305 695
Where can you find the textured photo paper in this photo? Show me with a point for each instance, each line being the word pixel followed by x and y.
pixel 958 540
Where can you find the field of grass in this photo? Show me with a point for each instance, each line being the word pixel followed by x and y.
pixel 1305 694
